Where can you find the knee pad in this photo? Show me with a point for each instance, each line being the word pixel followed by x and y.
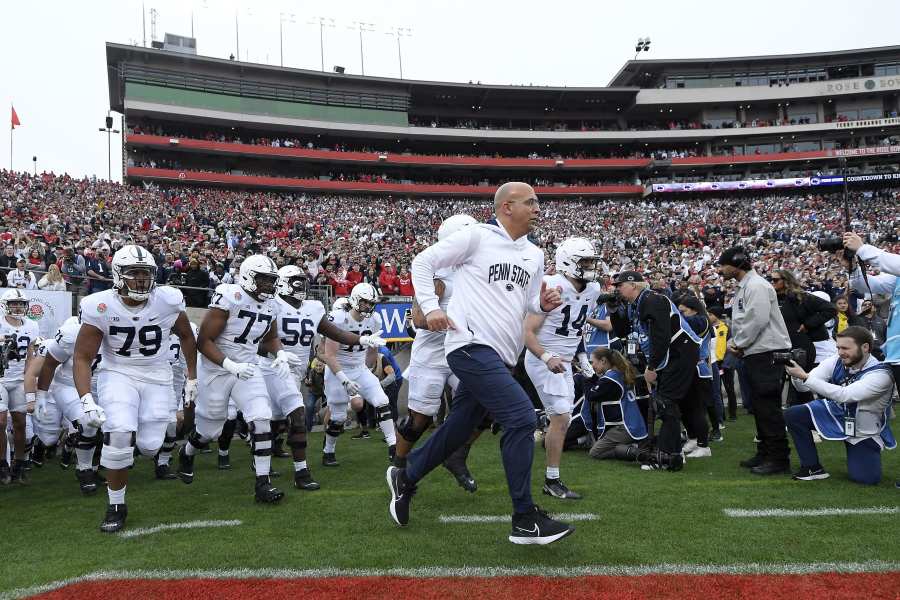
pixel 383 413
pixel 409 431
pixel 196 440
pixel 296 437
pixel 118 450
pixel 47 435
pixel 206 428
pixel 86 438
pixel 334 428
pixel 261 438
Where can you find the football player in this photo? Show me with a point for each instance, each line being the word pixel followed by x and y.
pixel 240 322
pixel 18 334
pixel 428 373
pixel 554 340
pixel 58 401
pixel 299 320
pixel 346 374
pixel 129 325
pixel 176 415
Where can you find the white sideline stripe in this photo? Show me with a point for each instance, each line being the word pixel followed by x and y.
pixel 810 512
pixel 874 566
pixel 130 533
pixel 506 518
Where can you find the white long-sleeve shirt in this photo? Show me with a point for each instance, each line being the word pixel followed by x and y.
pixel 884 283
pixel 496 282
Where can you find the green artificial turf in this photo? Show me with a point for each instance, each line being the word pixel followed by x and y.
pixel 50 531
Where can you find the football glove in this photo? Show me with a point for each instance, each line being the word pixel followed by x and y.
pixel 372 341
pixel 351 387
pixel 93 414
pixel 282 364
pixel 190 392
pixel 239 370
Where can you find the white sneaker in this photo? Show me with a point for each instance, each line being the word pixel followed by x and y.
pixel 816 437
pixel 699 452
pixel 689 446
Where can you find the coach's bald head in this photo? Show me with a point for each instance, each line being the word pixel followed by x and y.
pixel 516 207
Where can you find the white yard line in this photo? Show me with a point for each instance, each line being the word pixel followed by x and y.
pixel 507 518
pixel 739 513
pixel 130 533
pixel 531 570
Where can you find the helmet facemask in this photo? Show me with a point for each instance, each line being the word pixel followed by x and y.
pixel 586 268
pixel 137 282
pixel 17 308
pixel 265 285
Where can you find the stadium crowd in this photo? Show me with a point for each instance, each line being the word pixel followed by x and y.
pixel 199 236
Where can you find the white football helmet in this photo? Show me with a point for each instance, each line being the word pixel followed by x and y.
pixel 15 303
pixel 258 275
pixel 363 299
pixel 292 282
pixel 128 264
pixel 576 258
pixel 342 303
pixel 453 224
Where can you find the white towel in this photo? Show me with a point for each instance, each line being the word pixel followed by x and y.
pixel 556 384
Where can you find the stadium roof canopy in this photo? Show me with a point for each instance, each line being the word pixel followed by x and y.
pixel 647 72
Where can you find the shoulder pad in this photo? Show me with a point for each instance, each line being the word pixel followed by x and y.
pixel 170 295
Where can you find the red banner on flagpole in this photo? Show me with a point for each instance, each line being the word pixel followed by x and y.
pixel 14 120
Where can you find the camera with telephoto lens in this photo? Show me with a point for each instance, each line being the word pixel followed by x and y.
pixel 831 243
pixel 613 298
pixel 798 355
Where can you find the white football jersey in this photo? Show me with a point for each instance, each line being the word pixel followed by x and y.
pixel 298 326
pixel 61 347
pixel 353 357
pixel 428 346
pixel 23 335
pixel 176 356
pixel 563 327
pixel 134 338
pixel 248 322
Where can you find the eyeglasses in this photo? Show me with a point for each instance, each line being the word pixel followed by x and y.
pixel 774 279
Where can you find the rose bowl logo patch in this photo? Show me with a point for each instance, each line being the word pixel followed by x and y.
pixel 36 312
pixel 101 308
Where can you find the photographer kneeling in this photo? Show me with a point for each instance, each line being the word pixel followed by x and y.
pixel 855 391
pixel 619 424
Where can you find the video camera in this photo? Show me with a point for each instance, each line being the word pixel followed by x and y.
pixel 613 298
pixel 798 355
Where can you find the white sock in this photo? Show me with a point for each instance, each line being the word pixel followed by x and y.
pixel 330 443
pixel 223 452
pixel 116 496
pixel 85 458
pixel 164 458
pixel 263 465
pixel 299 465
pixel 387 428
pixel 552 472
pixel 189 449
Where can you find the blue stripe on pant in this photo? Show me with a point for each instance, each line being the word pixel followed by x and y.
pixel 485 386
pixel 863 459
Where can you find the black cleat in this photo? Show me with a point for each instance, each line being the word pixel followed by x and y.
pixel 303 480
pixel 456 464
pixel 266 492
pixel 328 460
pixel 401 495
pixel 38 453
pixel 362 435
pixel 557 489
pixel 5 474
pixel 66 457
pixel 185 466
pixel 115 518
pixel 224 462
pixel 19 474
pixel 163 472
pixel 536 527
pixel 466 481
pixel 87 482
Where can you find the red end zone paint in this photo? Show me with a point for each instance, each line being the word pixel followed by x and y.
pixel 774 587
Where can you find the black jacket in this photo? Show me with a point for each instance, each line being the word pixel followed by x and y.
pixel 807 310
pixel 661 325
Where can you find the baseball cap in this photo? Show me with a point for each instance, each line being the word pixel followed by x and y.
pixel 735 257
pixel 628 277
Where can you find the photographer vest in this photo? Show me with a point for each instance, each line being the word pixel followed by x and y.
pixel 622 411
pixel 634 311
pixel 828 416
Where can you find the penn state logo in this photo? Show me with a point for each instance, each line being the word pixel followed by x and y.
pixel 509 287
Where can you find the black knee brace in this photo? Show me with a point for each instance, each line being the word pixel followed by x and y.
pixel 407 429
pixel 296 437
pixel 80 441
pixel 196 441
pixel 260 443
pixel 383 413
pixel 334 428
pixel 227 434
pixel 279 427
pixel 168 443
